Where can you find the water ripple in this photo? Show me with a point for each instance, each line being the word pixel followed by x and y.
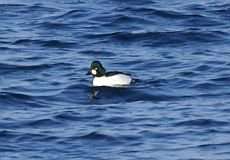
pixel 176 51
pixel 201 123
pixel 49 43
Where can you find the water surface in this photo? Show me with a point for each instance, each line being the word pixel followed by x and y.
pixel 178 108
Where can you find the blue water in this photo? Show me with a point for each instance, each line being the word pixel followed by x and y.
pixel 178 51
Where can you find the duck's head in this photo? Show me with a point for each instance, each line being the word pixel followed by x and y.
pixel 96 69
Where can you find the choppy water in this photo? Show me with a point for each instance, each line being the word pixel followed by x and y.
pixel 178 109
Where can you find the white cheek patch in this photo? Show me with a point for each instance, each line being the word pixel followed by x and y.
pixel 94 72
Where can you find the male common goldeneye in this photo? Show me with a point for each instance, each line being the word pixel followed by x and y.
pixel 110 79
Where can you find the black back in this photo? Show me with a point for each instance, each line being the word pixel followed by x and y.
pixel 112 73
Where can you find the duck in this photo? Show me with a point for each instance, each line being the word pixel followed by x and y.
pixel 108 79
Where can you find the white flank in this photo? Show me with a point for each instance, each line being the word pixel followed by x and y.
pixel 112 81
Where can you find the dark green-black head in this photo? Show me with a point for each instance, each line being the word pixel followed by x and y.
pixel 96 69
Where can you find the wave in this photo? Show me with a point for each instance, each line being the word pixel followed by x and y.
pixel 45 43
pixel 202 123
pixel 168 14
pixel 75 13
pixel 5 66
pixel 97 53
pixel 73 116
pixel 10 95
pixel 94 137
pixel 46 122
pixel 25 100
pixel 134 3
pixel 12 6
pixel 222 79
pixel 54 25
pixel 17 137
pixel 206 86
pixel 118 19
pixel 160 38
